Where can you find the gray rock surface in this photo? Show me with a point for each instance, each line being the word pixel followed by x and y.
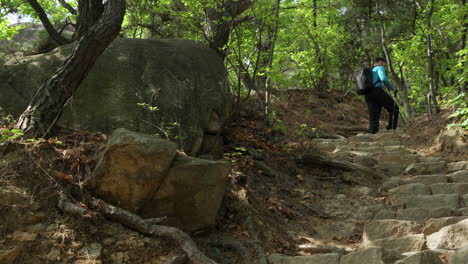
pixel 389 228
pixel 331 258
pixel 436 167
pixel 401 244
pixel 423 257
pixel 421 214
pixel 450 237
pixel 460 256
pixel 433 201
pixel 373 255
pixel 435 224
pixel 185 80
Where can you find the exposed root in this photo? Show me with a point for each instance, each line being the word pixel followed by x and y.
pixel 144 226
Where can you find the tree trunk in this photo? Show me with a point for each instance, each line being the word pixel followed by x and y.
pixel 89 12
pixel 400 84
pixel 404 95
pixel 464 84
pixel 53 33
pixel 217 29
pixel 49 101
pixel 270 61
pixel 430 57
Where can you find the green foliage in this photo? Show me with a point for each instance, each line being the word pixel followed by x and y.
pixel 319 43
pixel 9 134
pixel 148 107
pixel 461 113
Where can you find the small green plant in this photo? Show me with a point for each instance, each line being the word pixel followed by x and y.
pixel 9 134
pixel 148 107
pixel 239 151
pixel 461 113
pixel 278 124
pixel 301 130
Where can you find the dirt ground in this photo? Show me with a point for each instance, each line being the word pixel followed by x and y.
pixel 272 204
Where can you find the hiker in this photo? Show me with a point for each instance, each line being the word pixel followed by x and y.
pixel 378 98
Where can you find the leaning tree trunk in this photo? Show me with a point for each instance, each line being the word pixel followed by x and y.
pixel 47 104
pixel 89 12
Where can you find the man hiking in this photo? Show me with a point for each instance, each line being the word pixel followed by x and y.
pixel 378 98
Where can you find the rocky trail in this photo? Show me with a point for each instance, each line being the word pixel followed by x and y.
pixel 378 202
pixel 425 217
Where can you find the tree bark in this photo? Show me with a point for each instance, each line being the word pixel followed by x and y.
pixel 430 57
pixel 270 61
pixel 89 12
pixel 400 84
pixel 217 29
pixel 464 84
pixel 53 33
pixel 47 104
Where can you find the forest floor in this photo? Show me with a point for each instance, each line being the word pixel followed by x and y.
pixel 273 202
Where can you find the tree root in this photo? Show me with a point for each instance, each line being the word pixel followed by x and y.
pixel 144 226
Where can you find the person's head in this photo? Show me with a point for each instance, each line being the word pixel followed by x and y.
pixel 379 61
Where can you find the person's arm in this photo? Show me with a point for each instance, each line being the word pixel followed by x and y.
pixel 384 79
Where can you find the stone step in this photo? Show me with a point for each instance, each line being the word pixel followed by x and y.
pixel 387 137
pixel 373 255
pixel 447 188
pixel 391 142
pixel 330 258
pixel 435 224
pixel 392 182
pixel 460 256
pixel 422 257
pixel 398 195
pixel 433 201
pixel 450 237
pixel 430 159
pixel 406 159
pixel 396 149
pixel 457 166
pixel 389 228
pixel 362 138
pixel 391 168
pixel 422 215
pixel 464 210
pixel 459 176
pixel 404 244
pixel 428 179
pixel 437 167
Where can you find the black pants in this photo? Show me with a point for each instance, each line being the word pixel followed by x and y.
pixel 377 99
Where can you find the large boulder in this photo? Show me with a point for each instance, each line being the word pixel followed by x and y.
pixel 132 166
pixel 190 194
pixel 183 79
pixel 143 174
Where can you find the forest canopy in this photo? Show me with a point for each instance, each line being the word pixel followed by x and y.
pixel 300 44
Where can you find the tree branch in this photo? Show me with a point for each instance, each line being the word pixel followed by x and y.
pixel 68 7
pixel 46 23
